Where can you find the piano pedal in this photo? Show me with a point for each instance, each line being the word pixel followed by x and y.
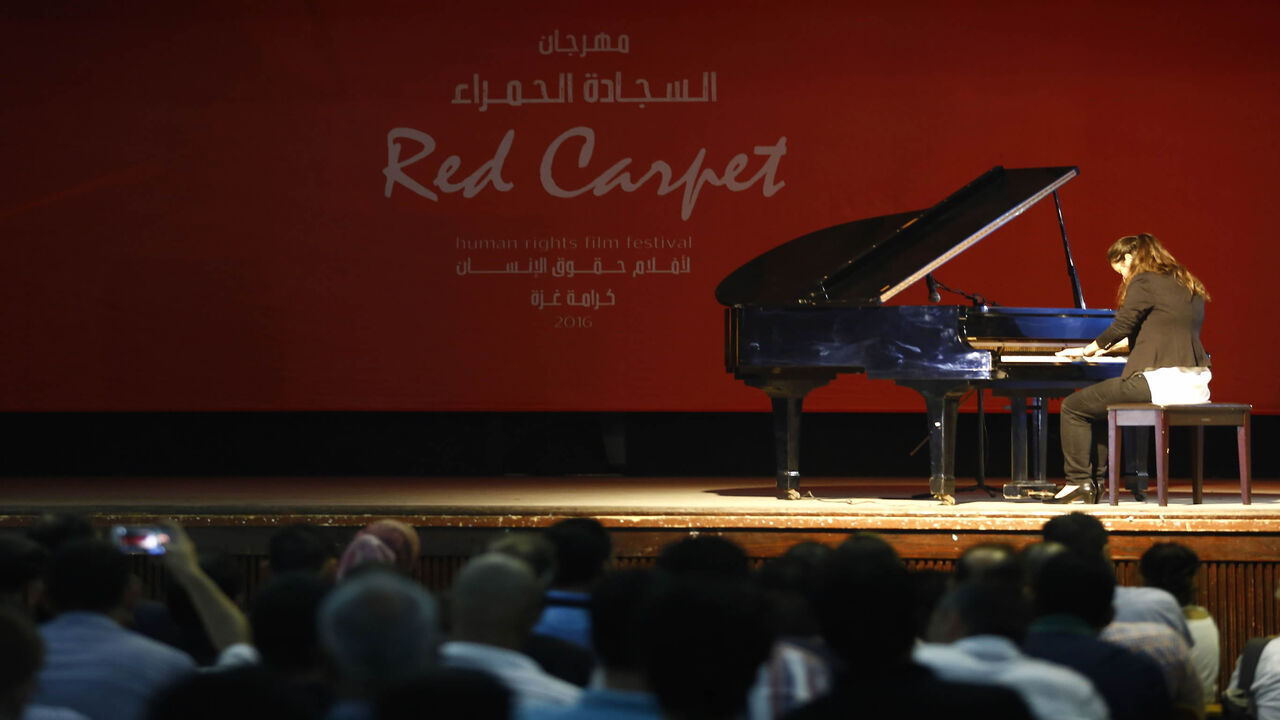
pixel 1030 490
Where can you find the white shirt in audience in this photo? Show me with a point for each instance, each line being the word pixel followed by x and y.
pixel 44 712
pixel 1051 691
pixel 1205 648
pixel 530 685
pixel 1149 604
pixel 1266 681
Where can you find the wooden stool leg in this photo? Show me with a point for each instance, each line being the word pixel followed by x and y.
pixel 1197 465
pixel 1243 442
pixel 1162 458
pixel 1113 456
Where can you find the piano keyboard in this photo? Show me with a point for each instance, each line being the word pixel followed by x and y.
pixel 1055 360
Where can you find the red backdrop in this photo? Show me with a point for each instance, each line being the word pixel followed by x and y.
pixel 202 207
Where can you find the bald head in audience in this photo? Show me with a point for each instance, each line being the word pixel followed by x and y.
pixel 495 600
pixel 534 549
pixel 988 561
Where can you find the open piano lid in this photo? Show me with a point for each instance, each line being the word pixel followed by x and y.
pixel 866 262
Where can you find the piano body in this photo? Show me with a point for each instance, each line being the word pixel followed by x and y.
pixel 812 308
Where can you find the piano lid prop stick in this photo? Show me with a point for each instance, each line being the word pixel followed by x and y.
pixel 1066 247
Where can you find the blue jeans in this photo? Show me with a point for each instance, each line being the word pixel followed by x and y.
pixel 1084 426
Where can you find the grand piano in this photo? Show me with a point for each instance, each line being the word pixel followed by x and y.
pixel 814 307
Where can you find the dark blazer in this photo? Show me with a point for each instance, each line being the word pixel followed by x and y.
pixel 1162 320
pixel 1132 684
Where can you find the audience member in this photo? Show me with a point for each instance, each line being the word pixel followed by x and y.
pixel 223 622
pixel 383 542
pixel 245 693
pixel 705 639
pixel 403 540
pixel 1085 535
pixel 1265 688
pixel 1151 605
pixel 380 629
pixel 143 615
pixel 284 617
pixel 494 603
pixel 868 615
pixel 1169 651
pixel 447 694
pixel 1072 598
pixel 364 551
pixel 1172 567
pixel 793 673
pixel 928 585
pixel 704 555
pixel 1079 532
pixel 568 660
pixel 177 622
pixel 800 666
pixel 200 618
pixel 22 574
pixel 533 548
pixel 53 530
pixel 19 665
pixel 190 633
pixel 93 665
pixel 621 690
pixel 1139 612
pixel 1032 558
pixel 979 626
pixel 986 562
pixel 301 547
pixel 583 552
pixel 790 580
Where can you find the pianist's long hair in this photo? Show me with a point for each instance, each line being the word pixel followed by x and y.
pixel 1150 256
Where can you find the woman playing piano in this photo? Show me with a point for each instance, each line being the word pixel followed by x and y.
pixel 1161 309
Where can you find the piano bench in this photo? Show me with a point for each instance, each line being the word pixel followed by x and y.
pixel 1163 417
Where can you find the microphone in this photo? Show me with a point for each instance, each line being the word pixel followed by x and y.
pixel 934 295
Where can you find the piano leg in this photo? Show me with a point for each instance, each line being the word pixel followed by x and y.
pixel 1039 438
pixel 942 405
pixel 1018 439
pixel 786 444
pixel 1022 484
pixel 787 397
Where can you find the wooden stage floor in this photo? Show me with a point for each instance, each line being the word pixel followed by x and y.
pixel 836 505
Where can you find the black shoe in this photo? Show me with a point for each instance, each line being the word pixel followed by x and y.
pixel 1137 486
pixel 1071 493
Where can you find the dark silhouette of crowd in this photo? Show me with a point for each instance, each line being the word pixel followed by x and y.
pixel 542 625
